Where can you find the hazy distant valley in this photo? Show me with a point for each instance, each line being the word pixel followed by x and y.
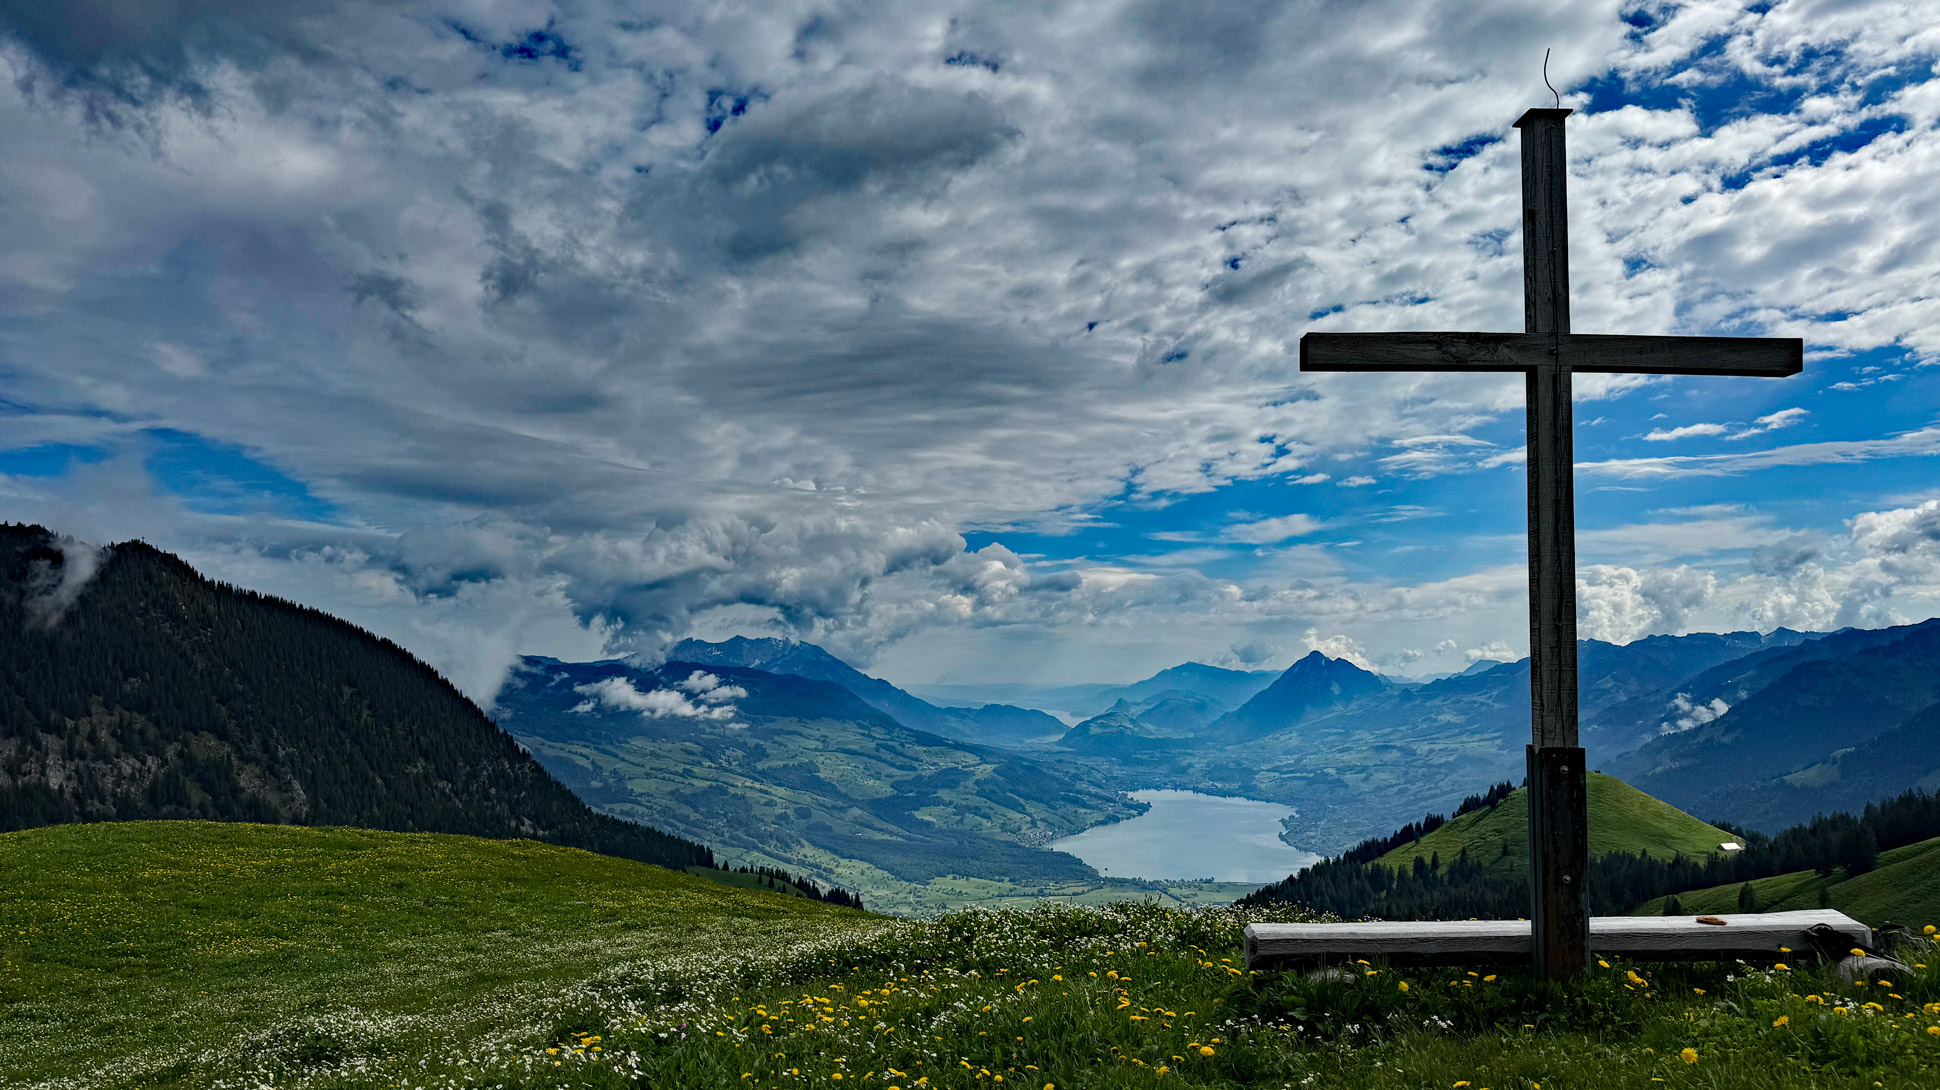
pixel 781 751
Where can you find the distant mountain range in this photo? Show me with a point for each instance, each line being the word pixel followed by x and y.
pixel 1230 688
pixel 1827 725
pixel 131 687
pixel 1763 729
pixel 991 723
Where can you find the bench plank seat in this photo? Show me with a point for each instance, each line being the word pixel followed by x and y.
pixel 1752 936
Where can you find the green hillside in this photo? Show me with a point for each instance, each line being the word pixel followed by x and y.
pixel 138 945
pixel 1904 888
pixel 1622 819
pixel 161 694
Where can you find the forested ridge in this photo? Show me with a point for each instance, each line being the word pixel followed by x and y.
pixel 1353 886
pixel 149 691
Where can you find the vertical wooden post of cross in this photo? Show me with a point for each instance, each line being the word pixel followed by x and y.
pixel 1559 847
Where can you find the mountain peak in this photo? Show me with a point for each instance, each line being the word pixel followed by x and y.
pixel 754 652
pixel 1313 683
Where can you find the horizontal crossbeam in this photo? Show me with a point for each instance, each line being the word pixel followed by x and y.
pixel 1767 936
pixel 1590 352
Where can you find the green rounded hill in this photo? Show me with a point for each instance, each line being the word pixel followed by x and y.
pixel 1622 819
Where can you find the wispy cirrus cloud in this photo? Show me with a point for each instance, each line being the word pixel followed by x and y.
pixel 1923 442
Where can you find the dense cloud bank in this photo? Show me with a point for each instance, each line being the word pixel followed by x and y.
pixel 578 328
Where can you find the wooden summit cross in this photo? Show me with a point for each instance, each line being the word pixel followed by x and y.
pixel 1547 354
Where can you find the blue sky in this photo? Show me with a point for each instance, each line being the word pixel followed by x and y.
pixel 962 341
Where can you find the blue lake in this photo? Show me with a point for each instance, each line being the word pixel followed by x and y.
pixel 1189 835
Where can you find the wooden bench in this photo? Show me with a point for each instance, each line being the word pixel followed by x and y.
pixel 1756 936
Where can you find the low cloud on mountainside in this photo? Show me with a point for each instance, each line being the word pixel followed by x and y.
pixel 962 345
pixel 701 696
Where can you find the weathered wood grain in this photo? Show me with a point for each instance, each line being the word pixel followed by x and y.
pixel 1753 936
pixel 1422 352
pixel 1602 353
pixel 1758 357
pixel 1558 826
pixel 1559 804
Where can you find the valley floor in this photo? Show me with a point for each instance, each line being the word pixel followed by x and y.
pixel 885 892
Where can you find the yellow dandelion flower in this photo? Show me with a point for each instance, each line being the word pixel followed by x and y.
pixel 1858 953
pixel 1782 1020
pixel 1603 963
pixel 1404 985
pixel 1933 1031
pixel 1700 991
pixel 1781 966
pixel 1488 978
pixel 1461 1083
pixel 1929 929
pixel 1689 1055
pixel 1205 1050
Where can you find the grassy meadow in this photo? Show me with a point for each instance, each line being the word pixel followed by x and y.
pixel 1904 888
pixel 169 953
pixel 191 955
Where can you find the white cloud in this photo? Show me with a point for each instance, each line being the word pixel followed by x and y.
pixel 1686 714
pixel 1665 434
pixel 1620 604
pixel 1269 531
pixel 1783 418
pixel 1357 482
pixel 619 694
pixel 1493 651
pixel 710 689
pixel 1338 647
